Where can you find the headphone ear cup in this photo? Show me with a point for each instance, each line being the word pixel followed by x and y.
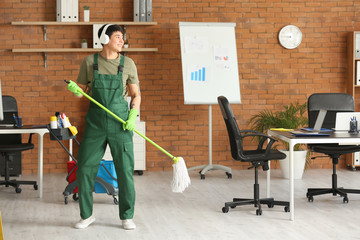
pixel 107 39
pixel 104 39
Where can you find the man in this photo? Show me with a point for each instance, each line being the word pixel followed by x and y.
pixel 109 78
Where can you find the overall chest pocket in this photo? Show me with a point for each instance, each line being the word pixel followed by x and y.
pixel 107 82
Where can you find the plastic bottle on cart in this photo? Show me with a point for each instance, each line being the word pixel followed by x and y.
pixel 53 122
pixel 65 121
pixel 59 123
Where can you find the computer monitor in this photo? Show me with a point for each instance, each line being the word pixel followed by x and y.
pixel 1 105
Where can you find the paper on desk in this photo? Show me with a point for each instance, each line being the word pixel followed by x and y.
pixel 281 129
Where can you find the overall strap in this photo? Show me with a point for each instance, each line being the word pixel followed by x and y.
pixel 121 66
pixel 96 66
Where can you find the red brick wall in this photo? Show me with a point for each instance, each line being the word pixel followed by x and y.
pixel 270 76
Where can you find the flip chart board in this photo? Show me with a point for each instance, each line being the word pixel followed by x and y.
pixel 209 62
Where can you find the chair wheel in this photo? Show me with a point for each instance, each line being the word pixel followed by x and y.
pixel 270 205
pixel 346 200
pixel 75 197
pixel 202 176
pixel 36 187
pixel 225 209
pixel 18 190
pixel 229 175
pixel 66 200
pixel 258 211
pixel 310 199
pixel 116 202
pixel 287 209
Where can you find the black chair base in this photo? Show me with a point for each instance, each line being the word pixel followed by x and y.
pixel 334 191
pixel 270 202
pixel 16 184
pixel 256 201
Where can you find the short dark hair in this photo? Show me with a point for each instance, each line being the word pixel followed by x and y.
pixel 110 30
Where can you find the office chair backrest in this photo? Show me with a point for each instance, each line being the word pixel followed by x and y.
pixel 232 128
pixel 9 108
pixel 333 103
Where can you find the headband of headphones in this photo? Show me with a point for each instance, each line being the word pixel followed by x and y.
pixel 104 38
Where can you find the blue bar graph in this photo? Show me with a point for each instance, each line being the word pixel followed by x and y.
pixel 198 75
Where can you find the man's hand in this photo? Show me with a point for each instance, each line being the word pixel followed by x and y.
pixel 73 87
pixel 130 123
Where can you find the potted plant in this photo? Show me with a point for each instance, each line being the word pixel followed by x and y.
pixel 84 43
pixel 86 13
pixel 292 116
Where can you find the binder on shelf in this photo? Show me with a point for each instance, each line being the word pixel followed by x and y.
pixel 69 7
pixel 140 10
pixel 357 80
pixel 96 40
pixel 57 11
pixel 356 160
pixel 74 11
pixel 67 10
pixel 61 11
pixel 149 10
pixel 136 11
pixel 357 45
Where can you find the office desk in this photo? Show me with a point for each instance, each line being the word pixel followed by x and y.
pixel 40 130
pixel 335 137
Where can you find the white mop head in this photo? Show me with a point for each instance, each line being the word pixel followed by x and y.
pixel 181 179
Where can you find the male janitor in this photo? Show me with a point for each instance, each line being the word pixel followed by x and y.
pixel 109 78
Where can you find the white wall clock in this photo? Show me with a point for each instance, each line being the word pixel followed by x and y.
pixel 290 36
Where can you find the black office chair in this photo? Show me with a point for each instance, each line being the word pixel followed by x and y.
pixel 11 144
pixel 258 158
pixel 333 103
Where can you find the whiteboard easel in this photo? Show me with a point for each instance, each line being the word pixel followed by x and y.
pixel 210 69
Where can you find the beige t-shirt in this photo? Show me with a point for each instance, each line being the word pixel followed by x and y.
pixel 107 66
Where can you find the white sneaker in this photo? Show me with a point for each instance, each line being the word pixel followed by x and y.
pixel 128 224
pixel 84 223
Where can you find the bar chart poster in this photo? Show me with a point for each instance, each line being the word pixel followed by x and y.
pixel 209 64
pixel 199 74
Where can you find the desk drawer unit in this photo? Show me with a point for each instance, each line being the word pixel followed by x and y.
pixel 14 165
pixel 353 160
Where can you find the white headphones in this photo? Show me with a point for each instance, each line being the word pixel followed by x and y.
pixel 104 38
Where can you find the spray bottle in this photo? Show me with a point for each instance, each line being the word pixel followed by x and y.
pixel 65 121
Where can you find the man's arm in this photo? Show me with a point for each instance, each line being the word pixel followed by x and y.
pixel 134 93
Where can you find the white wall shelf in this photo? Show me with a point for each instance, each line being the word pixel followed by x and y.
pixel 76 50
pixel 45 50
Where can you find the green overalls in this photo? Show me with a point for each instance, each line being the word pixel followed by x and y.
pixel 100 129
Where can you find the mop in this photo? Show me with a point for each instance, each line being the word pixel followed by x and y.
pixel 181 179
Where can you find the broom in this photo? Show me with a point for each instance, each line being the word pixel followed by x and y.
pixel 181 179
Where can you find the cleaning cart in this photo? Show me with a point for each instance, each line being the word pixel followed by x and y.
pixel 105 181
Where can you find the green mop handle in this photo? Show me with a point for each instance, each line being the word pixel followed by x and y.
pixel 123 122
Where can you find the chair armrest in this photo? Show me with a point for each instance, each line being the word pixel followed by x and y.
pixel 256 134
pixel 263 136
